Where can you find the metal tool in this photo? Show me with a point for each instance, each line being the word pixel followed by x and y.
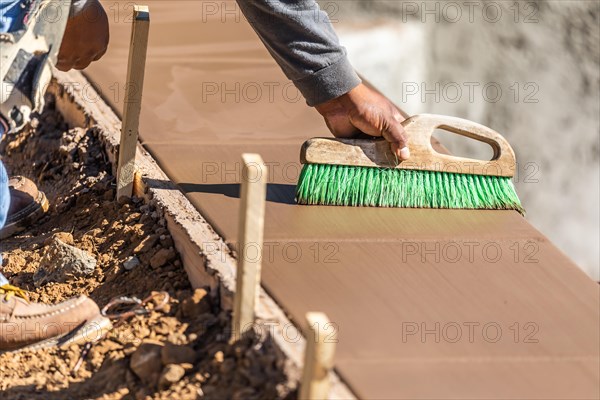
pixel 120 309
pixel 25 59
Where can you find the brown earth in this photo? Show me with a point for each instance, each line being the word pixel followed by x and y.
pixel 180 351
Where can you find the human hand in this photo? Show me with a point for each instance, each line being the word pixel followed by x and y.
pixel 86 37
pixel 365 110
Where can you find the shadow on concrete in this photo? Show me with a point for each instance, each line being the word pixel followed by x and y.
pixel 276 192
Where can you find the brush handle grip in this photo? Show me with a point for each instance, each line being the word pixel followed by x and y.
pixel 419 128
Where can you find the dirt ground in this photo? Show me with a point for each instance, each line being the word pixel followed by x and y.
pixel 178 352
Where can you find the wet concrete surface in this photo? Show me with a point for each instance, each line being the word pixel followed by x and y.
pixel 378 273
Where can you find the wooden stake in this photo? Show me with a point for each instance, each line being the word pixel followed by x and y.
pixel 321 338
pixel 251 226
pixel 133 100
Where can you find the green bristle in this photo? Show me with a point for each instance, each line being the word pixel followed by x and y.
pixel 383 187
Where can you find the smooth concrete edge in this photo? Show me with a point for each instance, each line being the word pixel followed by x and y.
pixel 206 257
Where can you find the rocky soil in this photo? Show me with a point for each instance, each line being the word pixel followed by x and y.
pixel 178 352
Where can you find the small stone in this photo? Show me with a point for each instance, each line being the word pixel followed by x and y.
pixel 64 237
pixel 62 262
pixel 166 309
pixel 162 257
pixel 200 377
pixel 131 263
pixel 196 305
pixel 174 354
pixel 171 374
pixel 133 217
pixel 146 361
pixel 146 244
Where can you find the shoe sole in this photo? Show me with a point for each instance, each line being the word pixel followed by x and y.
pixel 31 215
pixel 90 331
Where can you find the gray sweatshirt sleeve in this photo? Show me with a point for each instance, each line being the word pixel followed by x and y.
pixel 301 39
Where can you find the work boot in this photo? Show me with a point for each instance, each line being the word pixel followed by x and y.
pixel 25 325
pixel 27 205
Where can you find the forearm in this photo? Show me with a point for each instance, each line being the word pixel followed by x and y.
pixel 301 39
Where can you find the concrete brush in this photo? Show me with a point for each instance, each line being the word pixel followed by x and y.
pixel 365 172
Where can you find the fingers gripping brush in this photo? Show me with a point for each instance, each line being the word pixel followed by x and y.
pixel 365 172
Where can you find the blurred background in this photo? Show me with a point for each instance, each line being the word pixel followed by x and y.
pixel 529 70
